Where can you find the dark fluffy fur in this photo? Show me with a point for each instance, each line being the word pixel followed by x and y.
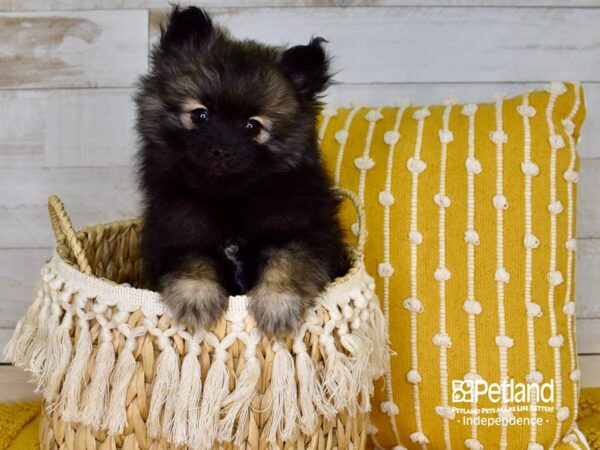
pixel 225 212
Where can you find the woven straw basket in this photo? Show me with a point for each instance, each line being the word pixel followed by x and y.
pixel 116 372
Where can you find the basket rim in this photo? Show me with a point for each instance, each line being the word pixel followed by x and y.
pixel 130 298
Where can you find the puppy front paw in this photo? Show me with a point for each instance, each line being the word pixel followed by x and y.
pixel 196 303
pixel 277 314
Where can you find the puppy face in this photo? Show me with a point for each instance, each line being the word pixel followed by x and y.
pixel 214 110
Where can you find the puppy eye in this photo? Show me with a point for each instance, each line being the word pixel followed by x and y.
pixel 199 116
pixel 252 127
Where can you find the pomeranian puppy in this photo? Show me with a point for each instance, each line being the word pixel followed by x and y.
pixel 236 199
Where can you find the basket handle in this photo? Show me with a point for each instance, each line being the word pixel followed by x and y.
pixel 64 232
pixel 361 238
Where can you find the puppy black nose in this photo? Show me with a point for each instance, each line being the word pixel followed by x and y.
pixel 221 153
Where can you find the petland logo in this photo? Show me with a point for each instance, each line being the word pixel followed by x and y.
pixel 469 391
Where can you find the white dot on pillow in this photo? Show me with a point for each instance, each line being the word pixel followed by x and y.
pixel 391 137
pixel 442 200
pixel 534 377
pixel 531 241
pixel 386 198
pixel 341 136
pixel 530 168
pixel 534 310
pixel 413 376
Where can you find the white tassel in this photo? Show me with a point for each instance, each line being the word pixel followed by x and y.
pixel 188 397
pixel 311 395
pixel 59 358
pixel 283 388
pixel 96 397
pixel 116 414
pixel 168 415
pixel 216 388
pixel 12 349
pixel 338 382
pixel 25 332
pixel 165 382
pixel 360 348
pixel 52 351
pixel 237 404
pixel 376 332
pixel 34 351
pixel 38 351
pixel 71 391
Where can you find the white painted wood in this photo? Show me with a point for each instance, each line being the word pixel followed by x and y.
pixel 415 44
pixel 5 334
pixel 95 127
pixel 92 195
pixel 590 370
pixel 41 5
pixel 588 336
pixel 587 283
pixel 15 385
pixel 19 273
pixel 63 128
pixel 72 49
pixel 587 279
pixel 588 207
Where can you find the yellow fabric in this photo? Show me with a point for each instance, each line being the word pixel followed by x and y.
pixel 589 416
pixel 360 155
pixel 19 426
pixel 28 438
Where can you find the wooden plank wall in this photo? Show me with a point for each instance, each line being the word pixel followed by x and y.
pixel 67 69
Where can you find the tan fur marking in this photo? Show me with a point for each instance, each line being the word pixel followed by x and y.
pixel 194 296
pixel 289 284
pixel 187 107
pixel 266 125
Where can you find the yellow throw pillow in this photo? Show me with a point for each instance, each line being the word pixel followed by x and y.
pixel 471 215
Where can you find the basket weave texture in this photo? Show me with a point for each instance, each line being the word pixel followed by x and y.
pixel 116 371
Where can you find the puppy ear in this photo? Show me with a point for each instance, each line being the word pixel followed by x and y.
pixel 307 66
pixel 189 27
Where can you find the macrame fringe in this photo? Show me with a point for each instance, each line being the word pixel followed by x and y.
pixel 312 398
pixel 58 360
pixel 181 410
pixel 168 415
pixel 188 398
pixel 360 347
pixel 167 377
pixel 115 419
pixel 237 404
pixel 12 349
pixel 338 382
pixel 376 331
pixel 38 351
pixel 25 332
pixel 216 388
pixel 284 412
pixel 52 350
pixel 96 398
pixel 74 379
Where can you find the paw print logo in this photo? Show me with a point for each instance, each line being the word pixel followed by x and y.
pixel 463 391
